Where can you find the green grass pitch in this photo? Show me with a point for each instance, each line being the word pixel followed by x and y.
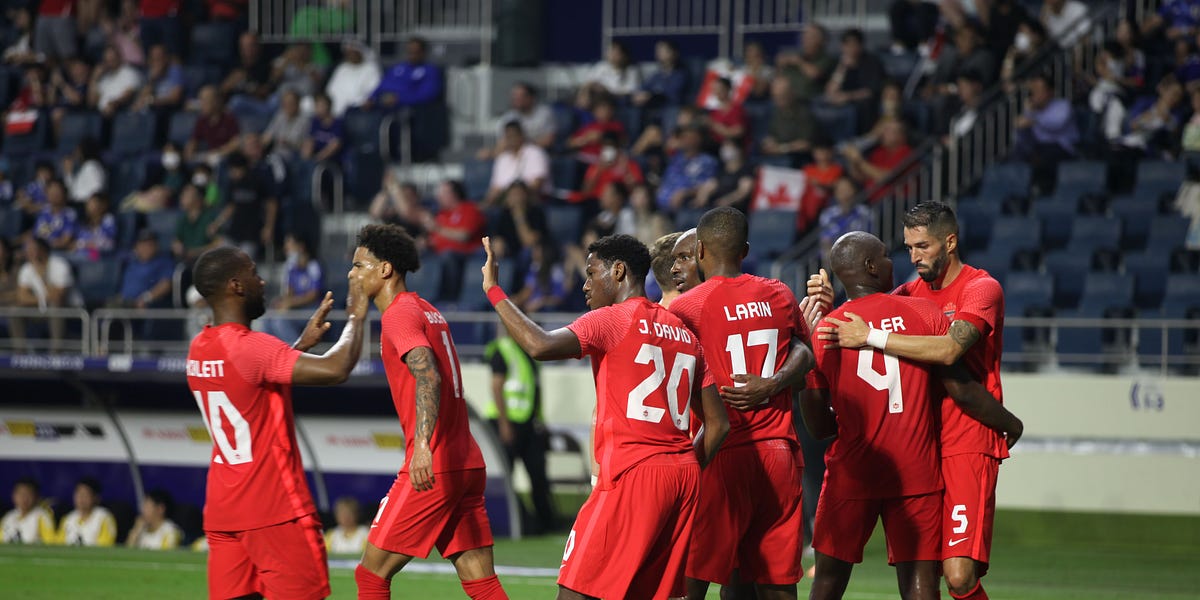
pixel 1036 556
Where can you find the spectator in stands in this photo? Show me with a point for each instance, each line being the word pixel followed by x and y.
pixel 1046 133
pixel 250 209
pixel 250 84
pixel 354 79
pixel 21 51
pixel 114 83
pixel 216 132
pixel 163 92
pixel 458 225
pixel 70 93
pixel 1187 62
pixel 728 121
pixel 121 32
pixel 54 30
pixel 232 11
pixel 757 70
pixel 325 133
pixel 159 24
pixel 616 74
pixel 614 217
pixel 846 215
pixel 733 185
pixel 89 524
pixel 967 54
pixel 959 117
pixel 587 139
pixel 1150 127
pixel 1000 20
pixel 1133 59
pixel 32 197
pixel 1190 140
pixel 296 71
pixel 820 176
pixel 807 71
pixel 83 173
pixel 857 79
pixel 399 203
pixel 268 169
pixel 521 224
pixel 146 280
pixel 8 194
pixel 656 146
pixel 649 224
pixel 288 129
pixel 34 96
pixel 1065 20
pixel 520 160
pixel 303 287
pixel 29 522
pixel 97 232
pixel 55 224
pixel 193 235
pixel 348 536
pixel 410 82
pixel 913 22
pixel 613 165
pixel 8 276
pixel 45 281
pixel 881 161
pixel 536 119
pixel 1030 42
pixel 669 82
pixel 1175 18
pixel 791 128
pixel 153 530
pixel 545 284
pixel 687 171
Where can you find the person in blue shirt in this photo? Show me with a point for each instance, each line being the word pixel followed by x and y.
pixel 326 134
pixel 305 281
pixel 96 234
pixel 668 84
pixel 410 82
pixel 686 171
pixel 1046 133
pixel 844 216
pixel 146 282
pixel 56 223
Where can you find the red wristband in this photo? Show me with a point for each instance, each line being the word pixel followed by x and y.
pixel 496 295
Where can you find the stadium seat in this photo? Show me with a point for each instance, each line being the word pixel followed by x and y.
pixel 1056 217
pixel 565 173
pixel 1167 232
pixel 1149 272
pixel 1103 291
pixel 564 124
pixel 565 223
pixel 688 218
pixel 430 128
pixel 213 44
pixel 995 260
pixel 772 232
pixel 132 135
pixel 1136 213
pixel 98 281
pixel 1089 233
pixel 477 177
pixel 179 130
pixel 470 296
pixel 1104 295
pixel 668 116
pixel 198 76
pixel 1069 270
pixel 1083 175
pixel 1023 291
pixel 1161 171
pixel 163 223
pixel 1007 178
pixel 902 267
pixel 252 123
pixel 1016 233
pixel 427 281
pixel 975 220
pixel 363 153
pixel 74 127
pixel 1181 301
pixel 630 118
pixel 28 144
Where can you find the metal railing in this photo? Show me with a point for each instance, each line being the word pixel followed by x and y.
pixel 74 324
pixel 283 21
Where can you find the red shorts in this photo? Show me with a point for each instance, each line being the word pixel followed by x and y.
pixel 750 516
pixel 969 506
pixel 631 541
pixel 911 524
pixel 451 516
pixel 280 561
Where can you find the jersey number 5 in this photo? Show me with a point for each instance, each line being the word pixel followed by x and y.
pixel 683 363
pixel 889 380
pixel 238 451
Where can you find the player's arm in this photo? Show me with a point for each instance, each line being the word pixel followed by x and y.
pixel 422 363
pixel 335 365
pixel 756 390
pixel 818 413
pixel 944 350
pixel 716 424
pixel 537 342
pixel 979 404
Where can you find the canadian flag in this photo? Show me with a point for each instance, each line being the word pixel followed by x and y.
pixel 778 188
pixel 741 82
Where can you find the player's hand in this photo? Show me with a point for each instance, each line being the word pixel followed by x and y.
pixel 356 299
pixel 811 311
pixel 316 327
pixel 748 391
pixel 1011 437
pixel 420 469
pixel 821 291
pixel 491 272
pixel 844 334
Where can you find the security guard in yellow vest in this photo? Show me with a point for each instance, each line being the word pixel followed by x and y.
pixel 515 415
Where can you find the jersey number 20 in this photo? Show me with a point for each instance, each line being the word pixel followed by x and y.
pixel 683 363
pixel 238 450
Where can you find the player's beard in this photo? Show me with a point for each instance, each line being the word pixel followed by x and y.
pixel 256 306
pixel 935 270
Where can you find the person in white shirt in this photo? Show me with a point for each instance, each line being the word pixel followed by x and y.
pixel 153 530
pixel 518 160
pixel 114 83
pixel 355 79
pixel 89 524
pixel 616 74
pixel 43 282
pixel 349 536
pixel 28 522
pixel 536 119
pixel 1065 20
pixel 83 173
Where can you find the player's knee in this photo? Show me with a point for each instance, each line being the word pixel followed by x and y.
pixel 961 581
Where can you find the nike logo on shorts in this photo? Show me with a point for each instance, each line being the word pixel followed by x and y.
pixel 953 543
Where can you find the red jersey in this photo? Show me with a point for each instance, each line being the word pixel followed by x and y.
pixel 647 367
pixel 745 324
pixel 975 297
pixel 464 216
pixel 887 441
pixel 411 322
pixel 56 8
pixel 732 116
pixel 241 380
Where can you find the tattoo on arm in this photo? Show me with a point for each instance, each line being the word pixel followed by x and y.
pixel 423 365
pixel 964 334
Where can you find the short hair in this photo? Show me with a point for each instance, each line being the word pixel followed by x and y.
pixel 29 482
pixel 347 501
pixel 214 268
pixel 625 248
pixel 1045 78
pixel 456 186
pixel 42 244
pixel 855 34
pixel 420 41
pixel 43 165
pixel 937 218
pixel 514 125
pixel 392 244
pixel 528 87
pixel 162 498
pixel 662 256
pixel 723 230
pixel 90 483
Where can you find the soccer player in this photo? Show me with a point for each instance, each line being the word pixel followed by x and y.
pixel 89 524
pixel 685 273
pixel 750 498
pixel 660 266
pixel 971 452
pixel 437 498
pixel 884 462
pixel 630 539
pixel 263 532
pixel 29 522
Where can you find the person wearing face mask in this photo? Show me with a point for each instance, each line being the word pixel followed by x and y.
pixel 732 186
pixel 614 166
pixel 1030 42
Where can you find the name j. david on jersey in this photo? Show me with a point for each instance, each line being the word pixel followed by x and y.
pixel 666 332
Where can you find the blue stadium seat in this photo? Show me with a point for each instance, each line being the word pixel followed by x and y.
pixel 132 135
pixel 1102 294
pixel 198 76
pixel 899 66
pixel 772 232
pixel 179 130
pixel 1149 272
pixel 1167 232
pixel 1103 291
pixel 252 123
pixel 1136 213
pixel 759 116
pixel 1090 233
pixel 1082 174
pixel 1007 178
pixel 630 118
pixel 363 153
pixel 213 44
pixel 1056 217
pixel 1069 270
pixel 565 223
pixel 163 223
pixel 668 115
pixel 1182 298
pixel 126 177
pixel 430 131
pixel 74 127
pixel 1153 171
pixel 902 267
pixel 28 144
pixel 470 296
pixel 1025 293
pixel 427 281
pixel 564 123
pixel 98 281
pixel 1016 233
pixel 565 173
pixel 687 218
pixel 477 176
pixel 995 260
pixel 975 220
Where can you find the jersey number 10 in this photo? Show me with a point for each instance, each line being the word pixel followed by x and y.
pixel 238 450
pixel 683 363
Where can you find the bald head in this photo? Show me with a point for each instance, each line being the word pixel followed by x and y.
pixel 860 262
pixel 215 268
pixel 724 232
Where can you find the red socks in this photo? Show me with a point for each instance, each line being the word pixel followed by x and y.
pixel 488 588
pixel 975 594
pixel 371 586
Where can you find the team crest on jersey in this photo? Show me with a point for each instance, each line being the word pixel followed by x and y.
pixel 949 309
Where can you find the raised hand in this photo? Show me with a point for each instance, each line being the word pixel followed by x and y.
pixel 316 327
pixel 491 272
pixel 821 291
pixel 356 299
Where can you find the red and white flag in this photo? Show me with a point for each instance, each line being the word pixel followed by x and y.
pixel 778 188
